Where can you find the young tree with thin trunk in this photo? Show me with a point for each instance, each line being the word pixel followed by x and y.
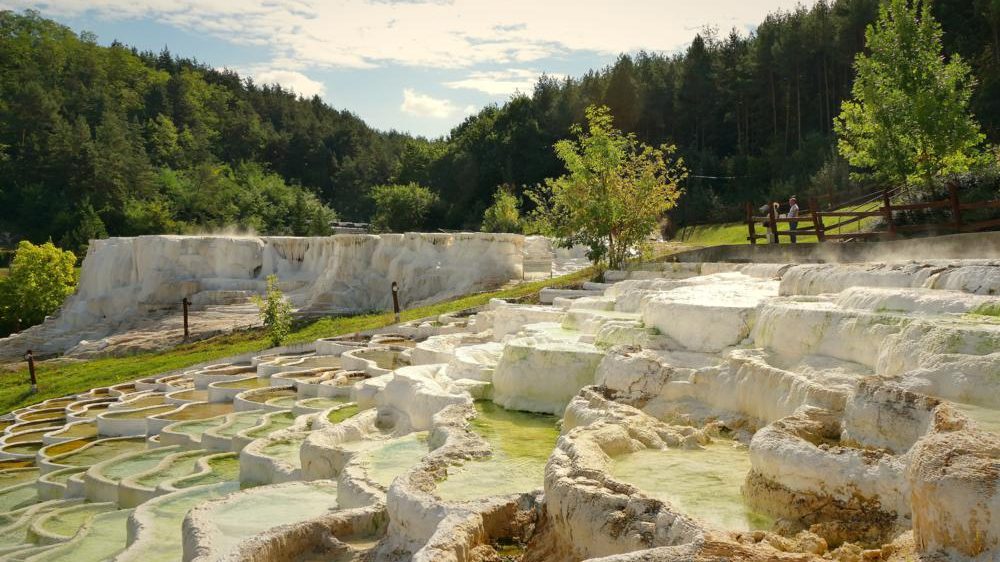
pixel 275 312
pixel 614 193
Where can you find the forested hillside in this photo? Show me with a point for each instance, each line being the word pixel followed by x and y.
pixel 752 116
pixel 109 141
pixel 100 140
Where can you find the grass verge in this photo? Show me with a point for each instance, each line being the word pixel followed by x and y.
pixel 59 378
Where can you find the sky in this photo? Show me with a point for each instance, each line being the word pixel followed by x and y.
pixel 419 66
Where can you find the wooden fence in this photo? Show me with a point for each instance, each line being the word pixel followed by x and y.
pixel 818 225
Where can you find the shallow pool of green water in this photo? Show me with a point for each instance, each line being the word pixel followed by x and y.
pixel 283 402
pixel 274 423
pixel 323 403
pixel 104 539
pixel 703 483
pixel 136 464
pixel 270 395
pixel 342 414
pixel 221 469
pixel 66 522
pixel 268 507
pixel 521 443
pixel 286 449
pixel 244 383
pixel 385 460
pixel 17 476
pixel 26 448
pixel 181 465
pixel 197 427
pixel 161 540
pixel 986 418
pixel 102 451
pixel 16 497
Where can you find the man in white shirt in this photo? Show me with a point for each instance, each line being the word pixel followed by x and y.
pixel 793 212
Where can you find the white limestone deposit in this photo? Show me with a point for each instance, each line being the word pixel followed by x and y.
pixel 687 412
pixel 135 285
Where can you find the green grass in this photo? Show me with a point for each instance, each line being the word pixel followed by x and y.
pixel 59 378
pixel 736 232
pixel 987 310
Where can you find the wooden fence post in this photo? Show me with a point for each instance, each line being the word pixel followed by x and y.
pixel 956 207
pixel 887 211
pixel 185 303
pixel 772 218
pixel 30 358
pixel 817 221
pixel 395 300
pixel 750 226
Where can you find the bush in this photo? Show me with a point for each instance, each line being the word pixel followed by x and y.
pixel 275 312
pixel 503 215
pixel 401 208
pixel 40 279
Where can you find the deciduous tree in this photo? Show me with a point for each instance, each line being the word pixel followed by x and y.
pixel 401 208
pixel 614 192
pixel 909 120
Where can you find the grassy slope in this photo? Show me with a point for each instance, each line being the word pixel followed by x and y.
pixel 58 378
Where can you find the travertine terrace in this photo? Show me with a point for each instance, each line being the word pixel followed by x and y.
pixel 130 291
pixel 683 412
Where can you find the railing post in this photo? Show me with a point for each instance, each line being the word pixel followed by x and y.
pixel 956 207
pixel 887 211
pixel 185 303
pixel 817 221
pixel 773 219
pixel 30 357
pixel 750 226
pixel 395 300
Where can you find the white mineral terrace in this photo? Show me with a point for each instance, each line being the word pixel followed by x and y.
pixel 130 291
pixel 694 412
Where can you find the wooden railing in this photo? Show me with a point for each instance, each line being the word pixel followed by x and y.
pixel 823 230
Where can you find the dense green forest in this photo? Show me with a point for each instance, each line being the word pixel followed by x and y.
pixel 752 116
pixel 99 141
pixel 108 140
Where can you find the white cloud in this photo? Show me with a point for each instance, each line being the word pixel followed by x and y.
pixel 423 105
pixel 431 33
pixel 499 82
pixel 288 79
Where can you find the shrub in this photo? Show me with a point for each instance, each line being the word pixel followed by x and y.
pixel 40 279
pixel 401 208
pixel 275 312
pixel 503 215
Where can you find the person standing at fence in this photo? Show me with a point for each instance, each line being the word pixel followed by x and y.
pixel 793 213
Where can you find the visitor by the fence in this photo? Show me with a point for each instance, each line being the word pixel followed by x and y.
pixel 793 212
